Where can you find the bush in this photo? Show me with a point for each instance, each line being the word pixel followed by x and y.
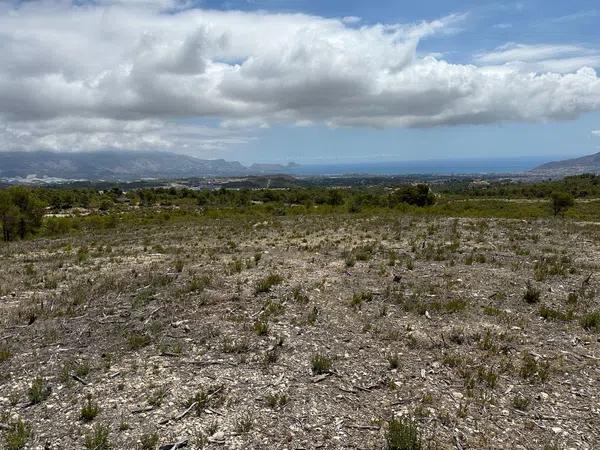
pixel 90 410
pixel 320 364
pixel 560 202
pixel 265 284
pixel 17 435
pixel 531 295
pixel 403 434
pixel 97 439
pixel 591 321
pixel 419 195
pixel 38 391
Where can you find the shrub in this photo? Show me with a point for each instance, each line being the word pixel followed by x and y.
pixel 548 313
pixel 265 284
pixel 261 328
pixel 520 402
pixel 90 410
pixel 320 364
pixel 299 296
pixel 137 341
pixel 149 441
pixel 359 297
pixel 17 435
pixel 531 294
pixel 38 391
pixel 533 370
pixel 560 202
pixel 591 321
pixel 244 423
pixel 5 353
pixel 97 439
pixel 203 397
pixel 403 434
pixel 393 360
pixel 275 400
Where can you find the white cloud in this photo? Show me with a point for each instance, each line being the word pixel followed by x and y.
pixel 124 74
pixel 541 58
pixel 596 132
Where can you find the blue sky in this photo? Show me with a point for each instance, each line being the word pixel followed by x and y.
pixel 305 81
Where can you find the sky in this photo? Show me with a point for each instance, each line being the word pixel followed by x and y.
pixel 305 81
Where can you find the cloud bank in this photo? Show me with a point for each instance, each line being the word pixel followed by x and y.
pixel 127 74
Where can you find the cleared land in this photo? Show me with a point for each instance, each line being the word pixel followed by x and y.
pixel 303 332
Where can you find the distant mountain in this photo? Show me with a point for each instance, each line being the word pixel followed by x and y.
pixel 576 166
pixel 122 165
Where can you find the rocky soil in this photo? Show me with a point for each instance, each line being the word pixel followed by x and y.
pixel 303 333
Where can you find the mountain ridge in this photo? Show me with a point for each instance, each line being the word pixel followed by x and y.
pixel 573 166
pixel 121 165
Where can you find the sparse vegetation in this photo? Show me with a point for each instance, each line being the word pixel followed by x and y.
pixel 403 434
pixel 531 294
pixel 90 410
pixel 254 314
pixel 97 438
pixel 320 364
pixel 266 283
pixel 38 391
pixel 17 435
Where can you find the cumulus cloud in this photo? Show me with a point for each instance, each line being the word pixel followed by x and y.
pixel 541 58
pixel 596 133
pixel 126 74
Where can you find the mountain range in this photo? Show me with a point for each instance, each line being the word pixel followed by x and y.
pixel 122 165
pixel 575 166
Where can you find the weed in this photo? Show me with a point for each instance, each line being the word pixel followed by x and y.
pixel 261 328
pixel 90 410
pixel 5 353
pixel 455 305
pixel 179 266
pixel 198 283
pixel 487 376
pixel 572 298
pixel 548 313
pixel 320 364
pixel 403 434
pixel 299 296
pixel 155 399
pixel 244 423
pixel 136 341
pixel 265 284
pixel 393 361
pixel 591 321
pixel 97 438
pixel 275 400
pixel 359 297
pixel 38 391
pixel 531 294
pixel 239 346
pixel 520 402
pixel 149 441
pixel 533 370
pixel 17 435
pixel 203 397
pixel 273 308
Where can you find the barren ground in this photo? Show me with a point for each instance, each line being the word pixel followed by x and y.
pixel 419 317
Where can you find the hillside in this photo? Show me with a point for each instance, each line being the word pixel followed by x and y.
pixel 575 166
pixel 112 165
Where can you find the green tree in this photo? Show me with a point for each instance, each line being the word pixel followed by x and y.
pixel 21 213
pixel 560 202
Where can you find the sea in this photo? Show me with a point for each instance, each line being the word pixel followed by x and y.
pixel 429 167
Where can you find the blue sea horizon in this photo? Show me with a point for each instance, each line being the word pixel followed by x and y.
pixel 425 167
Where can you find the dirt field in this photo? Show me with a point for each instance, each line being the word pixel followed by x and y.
pixel 303 333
